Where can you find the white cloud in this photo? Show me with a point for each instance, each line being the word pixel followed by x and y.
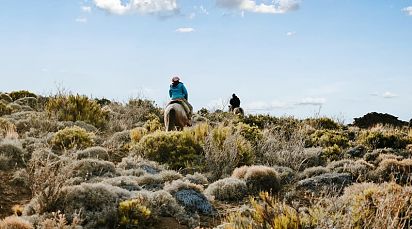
pixel 408 10
pixel 277 6
pixel 389 95
pixel 137 6
pixel 289 34
pixel 311 101
pixel 81 19
pixel 185 30
pixel 87 9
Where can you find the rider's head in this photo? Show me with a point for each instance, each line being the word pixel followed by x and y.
pixel 175 79
pixel 233 95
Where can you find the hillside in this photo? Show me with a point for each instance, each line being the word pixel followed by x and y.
pixel 69 161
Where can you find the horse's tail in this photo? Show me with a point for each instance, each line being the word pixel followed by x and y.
pixel 170 120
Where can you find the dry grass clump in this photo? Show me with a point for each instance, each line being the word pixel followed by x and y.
pixel 72 137
pixel 15 222
pixel 129 163
pixel 5 127
pixel 130 183
pixel 358 169
pixel 170 175
pixel 391 169
pixel 375 206
pixel 21 178
pixel 313 171
pixel 118 145
pixel 258 178
pixel 58 220
pixel 98 204
pixel 225 150
pixel 11 154
pixel 176 149
pixel 5 98
pixel 265 212
pixel 89 168
pixel 96 152
pixel 286 147
pixel 27 101
pixel 196 178
pixel 47 173
pixel 5 109
pixel 230 189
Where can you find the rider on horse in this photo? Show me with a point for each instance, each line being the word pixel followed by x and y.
pixel 178 93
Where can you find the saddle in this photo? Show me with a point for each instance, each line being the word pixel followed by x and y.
pixel 182 103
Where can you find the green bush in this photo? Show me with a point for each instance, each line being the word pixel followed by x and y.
pixel 15 95
pixel 77 108
pixel 333 142
pixel 323 123
pixel 384 138
pixel 134 213
pixel 72 137
pixel 177 149
pixel 250 133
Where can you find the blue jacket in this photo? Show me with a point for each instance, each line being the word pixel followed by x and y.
pixel 178 92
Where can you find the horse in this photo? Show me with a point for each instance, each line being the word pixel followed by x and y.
pixel 175 117
pixel 237 111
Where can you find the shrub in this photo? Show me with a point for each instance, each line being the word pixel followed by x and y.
pixel 15 95
pixel 4 109
pixel 286 147
pixel 226 150
pixel 313 171
pixel 261 121
pixel 391 169
pixel 358 169
pixel 190 196
pixel 98 203
pixel 333 142
pixel 134 213
pixel 153 124
pixel 12 155
pixel 196 178
pixel 96 152
pixel 376 206
pixel 72 137
pixel 88 168
pixel 150 167
pixel 6 127
pixel 6 98
pixel 129 183
pixel 27 101
pixel 265 212
pixel 381 137
pixel 251 133
pixel 258 178
pixel 118 145
pixel 58 220
pixel 137 133
pixel 77 108
pixel 323 123
pixel 177 149
pixel 231 189
pixel 14 222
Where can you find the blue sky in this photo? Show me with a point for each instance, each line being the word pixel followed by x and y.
pixel 339 58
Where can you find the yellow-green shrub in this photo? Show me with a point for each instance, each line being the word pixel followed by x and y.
pixel 72 137
pixel 77 108
pixel 15 95
pixel 251 133
pixel 333 142
pixel 384 138
pixel 134 213
pixel 153 124
pixel 323 123
pixel 177 149
pixel 137 133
